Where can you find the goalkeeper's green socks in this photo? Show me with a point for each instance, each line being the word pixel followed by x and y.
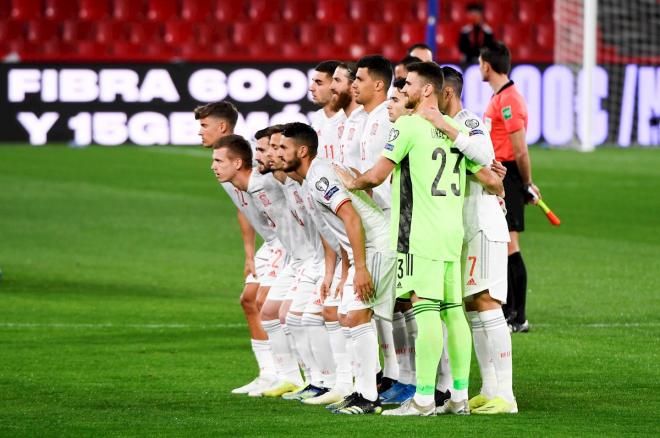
pixel 428 348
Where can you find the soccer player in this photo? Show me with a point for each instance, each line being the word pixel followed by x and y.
pixel 484 260
pixel 421 51
pixel 401 69
pixel 372 82
pixel 506 119
pixel 360 226
pixel 217 120
pixel 356 116
pixel 328 120
pixel 428 235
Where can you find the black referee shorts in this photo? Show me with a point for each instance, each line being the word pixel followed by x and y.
pixel 514 197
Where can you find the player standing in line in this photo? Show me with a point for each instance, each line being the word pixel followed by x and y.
pixel 351 130
pixel 404 327
pixel 421 51
pixel 216 121
pixel 308 252
pixel 428 184
pixel 327 121
pixel 361 227
pixel 506 119
pixel 484 260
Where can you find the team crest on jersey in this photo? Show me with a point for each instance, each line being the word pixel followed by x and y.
pixel 340 131
pixel 472 123
pixel 322 184
pixel 350 133
pixel 394 133
pixel 374 128
pixel 264 199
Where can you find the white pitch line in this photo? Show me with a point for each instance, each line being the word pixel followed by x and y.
pixel 57 325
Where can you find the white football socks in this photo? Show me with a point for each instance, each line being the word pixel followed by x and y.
pixel 386 341
pixel 400 335
pixel 264 356
pixel 321 348
pixel 285 363
pixel 499 342
pixel 344 371
pixel 482 351
pixel 365 345
pixel 301 337
pixel 350 350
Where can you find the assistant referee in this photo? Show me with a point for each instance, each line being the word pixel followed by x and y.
pixel 506 118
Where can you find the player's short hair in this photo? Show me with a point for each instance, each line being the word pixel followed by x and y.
pixel 430 72
pixel 407 60
pixel 399 83
pixel 350 67
pixel 277 129
pixel 302 134
pixel 237 147
pixel 497 54
pixel 378 66
pixel 265 132
pixel 222 110
pixel 327 67
pixel 418 46
pixel 454 79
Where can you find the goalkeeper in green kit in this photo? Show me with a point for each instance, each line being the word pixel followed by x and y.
pixel 426 230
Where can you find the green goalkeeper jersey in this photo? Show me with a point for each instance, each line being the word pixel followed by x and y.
pixel 428 188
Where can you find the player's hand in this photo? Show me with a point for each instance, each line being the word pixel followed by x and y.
pixel 339 290
pixel 533 194
pixel 345 177
pixel 249 268
pixel 326 285
pixel 498 168
pixel 434 116
pixel 362 284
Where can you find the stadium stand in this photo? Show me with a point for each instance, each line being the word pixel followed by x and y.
pixel 238 30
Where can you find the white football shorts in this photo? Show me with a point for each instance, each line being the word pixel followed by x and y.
pixel 268 261
pixel 485 267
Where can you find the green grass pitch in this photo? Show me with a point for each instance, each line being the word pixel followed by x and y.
pixel 119 308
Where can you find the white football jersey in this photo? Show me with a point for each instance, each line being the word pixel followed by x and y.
pixel 315 213
pixel 481 210
pixel 326 189
pixel 329 131
pixel 305 236
pixel 246 205
pixel 349 143
pixel 374 138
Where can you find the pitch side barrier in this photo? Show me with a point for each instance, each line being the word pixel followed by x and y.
pixel 151 104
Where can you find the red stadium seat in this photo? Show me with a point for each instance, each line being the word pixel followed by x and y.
pixel 534 12
pixel 207 34
pixel 420 10
pixel 11 30
pixel 311 33
pixel 331 11
pixel 162 10
pixel 447 53
pixel 412 33
pixel 245 34
pixel 330 51
pixel 197 10
pixel 108 31
pixel 544 36
pixel 93 10
pixel 60 10
pixel 178 32
pixel 456 13
pixel 91 50
pixel 263 10
pixel 26 50
pixel 293 51
pixel 367 11
pixel 40 31
pixel 124 50
pixel 5 9
pixel 344 34
pixel 357 51
pixel 58 50
pixel 447 35
pixel 394 51
pixel 298 11
pixel 278 33
pixel 379 34
pixel 144 32
pixel 26 9
pixel 515 36
pixel 229 11
pixel 223 49
pixel 128 10
pixel 74 31
pixel 496 14
pixel 397 11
